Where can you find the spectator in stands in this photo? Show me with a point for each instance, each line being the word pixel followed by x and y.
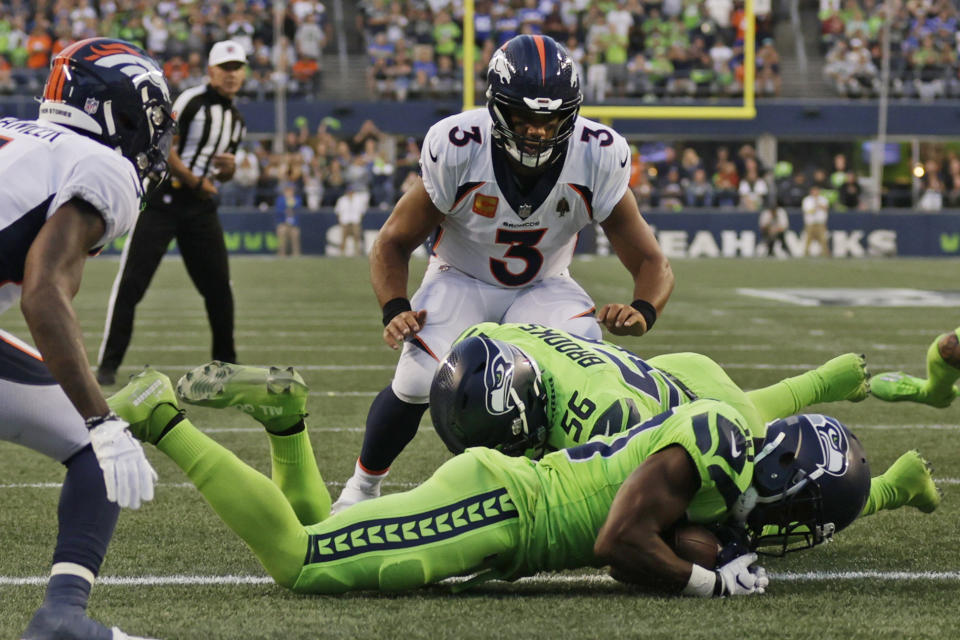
pixel 671 191
pixel 745 154
pixel 689 163
pixel 699 191
pixel 768 69
pixel 286 213
pixel 313 184
pixel 333 183
pixel 38 47
pixel 446 35
pixel 773 229
pixel 849 192
pixel 816 210
pixel 839 175
pixel 643 191
pixel 931 191
pixel 726 182
pixel 752 188
pixel 7 85
pixel 241 191
pixel 350 209
pixel 952 182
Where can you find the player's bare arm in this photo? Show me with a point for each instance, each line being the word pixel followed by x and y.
pixel 653 499
pixel 636 246
pixel 52 275
pixel 412 220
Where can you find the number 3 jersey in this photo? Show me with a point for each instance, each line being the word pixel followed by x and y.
pixel 42 166
pixel 492 230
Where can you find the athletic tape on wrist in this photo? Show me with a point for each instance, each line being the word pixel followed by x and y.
pixel 702 583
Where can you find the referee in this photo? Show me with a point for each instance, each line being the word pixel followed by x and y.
pixel 210 129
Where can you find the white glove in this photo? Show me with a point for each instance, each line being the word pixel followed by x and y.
pixel 126 472
pixel 738 578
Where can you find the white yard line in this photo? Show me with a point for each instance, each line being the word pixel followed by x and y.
pixel 541 580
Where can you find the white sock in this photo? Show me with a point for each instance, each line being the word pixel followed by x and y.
pixel 365 480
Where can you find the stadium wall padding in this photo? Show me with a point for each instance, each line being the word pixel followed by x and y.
pixel 681 234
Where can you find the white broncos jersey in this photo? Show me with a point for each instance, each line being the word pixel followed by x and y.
pixel 42 166
pixel 493 232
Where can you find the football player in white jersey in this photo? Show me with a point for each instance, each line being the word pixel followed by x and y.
pixel 70 183
pixel 507 189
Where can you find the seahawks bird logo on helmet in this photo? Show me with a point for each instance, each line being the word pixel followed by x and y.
pixel 811 479
pixel 532 77
pixel 112 91
pixel 489 393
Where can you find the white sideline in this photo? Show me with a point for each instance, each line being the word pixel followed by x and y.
pixel 546 580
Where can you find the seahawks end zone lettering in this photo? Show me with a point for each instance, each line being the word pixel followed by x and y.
pixel 733 244
pixel 857 297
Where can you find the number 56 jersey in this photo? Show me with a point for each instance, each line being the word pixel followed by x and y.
pixel 494 232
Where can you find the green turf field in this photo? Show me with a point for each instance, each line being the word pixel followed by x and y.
pixel 174 571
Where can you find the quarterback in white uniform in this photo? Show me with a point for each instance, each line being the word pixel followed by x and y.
pixel 70 183
pixel 507 190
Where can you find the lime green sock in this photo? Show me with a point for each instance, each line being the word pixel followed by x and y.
pixel 295 472
pixel 884 494
pixel 787 397
pixel 246 500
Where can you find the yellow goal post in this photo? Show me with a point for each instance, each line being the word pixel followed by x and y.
pixel 606 113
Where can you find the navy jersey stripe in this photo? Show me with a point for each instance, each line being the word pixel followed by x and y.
pixel 17 365
pixel 417 529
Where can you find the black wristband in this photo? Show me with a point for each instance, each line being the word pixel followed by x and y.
pixel 718 586
pixel 393 308
pixel 647 310
pixel 96 421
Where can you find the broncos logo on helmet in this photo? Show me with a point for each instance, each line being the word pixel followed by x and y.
pixel 532 76
pixel 112 91
pixel 811 479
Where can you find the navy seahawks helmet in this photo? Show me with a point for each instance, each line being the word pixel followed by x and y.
pixel 112 91
pixel 489 393
pixel 811 479
pixel 532 76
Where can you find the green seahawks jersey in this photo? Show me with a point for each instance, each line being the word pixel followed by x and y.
pixel 567 497
pixel 593 387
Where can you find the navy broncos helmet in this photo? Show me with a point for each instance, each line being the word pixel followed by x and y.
pixel 112 91
pixel 811 479
pixel 532 76
pixel 489 393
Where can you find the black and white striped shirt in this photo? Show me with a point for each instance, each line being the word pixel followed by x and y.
pixel 209 124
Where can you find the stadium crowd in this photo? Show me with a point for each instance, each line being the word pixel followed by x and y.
pixel 648 49
pixel 924 46
pixel 178 33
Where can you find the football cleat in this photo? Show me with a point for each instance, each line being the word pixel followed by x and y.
pixel 354 492
pixel 70 623
pixel 912 474
pixel 897 386
pixel 845 378
pixel 137 401
pixel 274 397
pixel 106 376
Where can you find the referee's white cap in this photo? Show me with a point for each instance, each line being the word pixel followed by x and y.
pixel 226 51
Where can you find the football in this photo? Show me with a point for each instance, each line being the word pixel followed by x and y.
pixel 696 544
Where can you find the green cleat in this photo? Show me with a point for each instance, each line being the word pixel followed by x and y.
pixel 912 474
pixel 275 397
pixel 845 378
pixel 897 386
pixel 137 401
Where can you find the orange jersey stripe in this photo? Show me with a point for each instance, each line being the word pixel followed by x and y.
pixel 19 348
